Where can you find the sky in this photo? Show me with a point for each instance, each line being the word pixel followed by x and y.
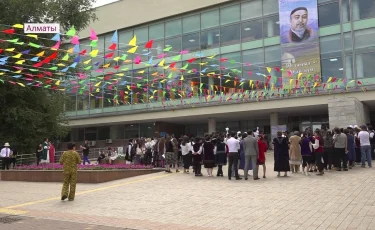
pixel 103 2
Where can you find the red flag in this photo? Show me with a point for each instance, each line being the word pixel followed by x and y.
pixel 191 60
pixel 8 31
pixel 360 83
pixel 39 64
pixel 53 56
pixel 110 55
pixel 112 47
pixel 149 44
pixel 83 52
pixel 173 65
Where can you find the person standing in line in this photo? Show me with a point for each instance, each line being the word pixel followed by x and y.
pixel 221 156
pixel 186 151
pixel 233 147
pixel 295 152
pixel 251 150
pixel 372 140
pixel 306 152
pixel 351 147
pixel 175 150
pixel 51 152
pixel 281 154
pixel 170 155
pixel 85 152
pixel 340 142
pixel 364 138
pixel 5 153
pixel 197 156
pixel 70 159
pixel 262 146
pixel 209 150
pixel 319 152
pixel 328 150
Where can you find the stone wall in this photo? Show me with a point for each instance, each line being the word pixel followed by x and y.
pixel 345 111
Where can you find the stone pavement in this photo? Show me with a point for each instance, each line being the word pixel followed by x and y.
pixel 338 200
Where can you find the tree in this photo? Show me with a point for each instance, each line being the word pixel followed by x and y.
pixel 30 114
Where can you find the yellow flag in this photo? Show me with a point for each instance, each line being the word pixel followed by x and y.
pixel 269 69
pixel 32 36
pixel 20 62
pixel 133 50
pixel 94 53
pixel 87 62
pixel 120 74
pixel 19 71
pixel 10 49
pixel 70 50
pixel 2 73
pixel 60 64
pixel 97 90
pixel 299 75
pixel 316 83
pixel 250 82
pixel 106 65
pixel 133 42
pixel 19 26
pixel 182 78
pixel 40 54
pixel 155 74
pixel 21 84
pixel 329 80
pixel 97 84
pixel 162 63
pixel 58 82
pixel 116 58
pixel 211 56
pixel 290 82
pixel 142 71
pixel 17 55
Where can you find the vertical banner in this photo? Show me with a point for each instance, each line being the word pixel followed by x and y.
pixel 299 35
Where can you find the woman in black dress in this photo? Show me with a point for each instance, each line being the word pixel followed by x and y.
pixel 208 155
pixel 281 154
pixel 221 155
pixel 197 158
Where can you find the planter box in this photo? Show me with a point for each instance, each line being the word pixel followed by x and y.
pixel 84 176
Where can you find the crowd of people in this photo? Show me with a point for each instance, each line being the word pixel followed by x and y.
pixel 307 152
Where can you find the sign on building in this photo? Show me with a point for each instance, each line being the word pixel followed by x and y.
pixel 299 35
pixel 41 28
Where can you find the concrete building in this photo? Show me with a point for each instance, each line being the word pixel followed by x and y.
pixel 245 31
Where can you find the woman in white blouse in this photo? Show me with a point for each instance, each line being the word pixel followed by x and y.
pixel 186 151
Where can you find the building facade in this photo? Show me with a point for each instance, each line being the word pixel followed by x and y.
pixel 236 40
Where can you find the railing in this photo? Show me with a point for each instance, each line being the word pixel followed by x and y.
pixel 28 159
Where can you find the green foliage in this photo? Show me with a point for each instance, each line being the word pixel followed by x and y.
pixel 30 114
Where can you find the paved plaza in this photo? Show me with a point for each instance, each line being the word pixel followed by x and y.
pixel 338 200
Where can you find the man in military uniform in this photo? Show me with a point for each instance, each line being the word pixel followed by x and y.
pixel 70 159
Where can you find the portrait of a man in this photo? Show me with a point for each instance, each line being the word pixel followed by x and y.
pixel 299 30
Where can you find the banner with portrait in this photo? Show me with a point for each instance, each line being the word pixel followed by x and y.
pixel 299 38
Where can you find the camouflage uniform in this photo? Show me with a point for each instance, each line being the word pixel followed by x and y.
pixel 69 160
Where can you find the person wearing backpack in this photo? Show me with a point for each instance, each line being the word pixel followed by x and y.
pixel 148 152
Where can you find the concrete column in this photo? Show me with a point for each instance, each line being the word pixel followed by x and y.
pixel 345 111
pixel 274 119
pixel 211 125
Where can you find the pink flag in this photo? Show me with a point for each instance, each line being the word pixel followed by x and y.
pixel 93 35
pixel 75 40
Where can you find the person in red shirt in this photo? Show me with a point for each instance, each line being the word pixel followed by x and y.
pixel 319 151
pixel 262 146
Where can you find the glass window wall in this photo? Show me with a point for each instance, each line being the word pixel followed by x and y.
pixel 363 9
pixel 230 14
pixel 156 31
pixel 250 10
pixel 251 30
pixel 230 35
pixel 210 39
pixel 210 19
pixel 173 28
pixel 329 14
pixel 191 24
pixel 271 27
